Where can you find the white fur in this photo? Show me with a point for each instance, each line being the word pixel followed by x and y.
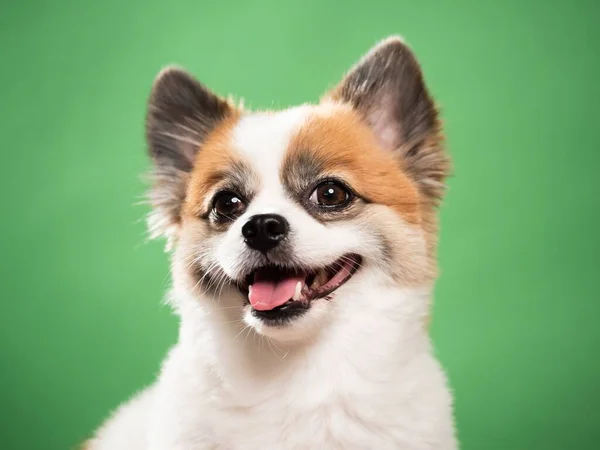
pixel 354 373
pixel 370 383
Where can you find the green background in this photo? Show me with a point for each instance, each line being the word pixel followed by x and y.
pixel 517 311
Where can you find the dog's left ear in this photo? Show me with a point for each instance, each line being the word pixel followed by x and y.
pixel 387 88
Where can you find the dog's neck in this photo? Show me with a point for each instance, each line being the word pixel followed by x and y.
pixel 376 331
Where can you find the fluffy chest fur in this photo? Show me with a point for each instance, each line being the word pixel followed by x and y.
pixel 366 385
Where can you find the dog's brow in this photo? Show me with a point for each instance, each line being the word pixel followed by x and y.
pixel 300 170
pixel 236 176
pixel 239 176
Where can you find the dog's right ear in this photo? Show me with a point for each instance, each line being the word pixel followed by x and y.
pixel 386 87
pixel 181 114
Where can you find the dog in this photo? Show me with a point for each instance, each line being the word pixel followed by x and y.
pixel 303 255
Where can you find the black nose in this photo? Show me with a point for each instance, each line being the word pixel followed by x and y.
pixel 264 231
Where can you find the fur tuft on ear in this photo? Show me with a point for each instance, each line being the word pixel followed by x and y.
pixel 181 113
pixel 387 88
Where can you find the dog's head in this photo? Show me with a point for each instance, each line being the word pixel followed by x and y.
pixel 284 212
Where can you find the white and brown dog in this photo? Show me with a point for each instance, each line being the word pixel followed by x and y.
pixel 303 259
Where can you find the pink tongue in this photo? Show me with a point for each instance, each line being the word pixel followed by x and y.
pixel 268 294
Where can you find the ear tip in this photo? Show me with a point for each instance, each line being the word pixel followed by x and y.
pixel 169 74
pixel 168 70
pixel 394 41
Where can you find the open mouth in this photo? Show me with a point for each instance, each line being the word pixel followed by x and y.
pixel 271 287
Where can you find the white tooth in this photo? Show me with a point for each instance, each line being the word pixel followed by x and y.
pixel 297 291
pixel 249 290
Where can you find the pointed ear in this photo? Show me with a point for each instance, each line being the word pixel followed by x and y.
pixel 387 88
pixel 181 113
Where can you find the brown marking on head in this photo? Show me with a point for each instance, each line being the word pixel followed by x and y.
pixel 217 165
pixel 336 142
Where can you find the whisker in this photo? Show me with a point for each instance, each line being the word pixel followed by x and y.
pixel 273 350
pixel 249 331
pixel 241 331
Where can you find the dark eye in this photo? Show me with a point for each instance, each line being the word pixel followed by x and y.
pixel 228 205
pixel 331 194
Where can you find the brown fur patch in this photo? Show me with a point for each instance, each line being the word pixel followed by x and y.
pixel 341 144
pixel 216 163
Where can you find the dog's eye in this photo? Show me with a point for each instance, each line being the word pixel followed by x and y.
pixel 331 194
pixel 228 205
